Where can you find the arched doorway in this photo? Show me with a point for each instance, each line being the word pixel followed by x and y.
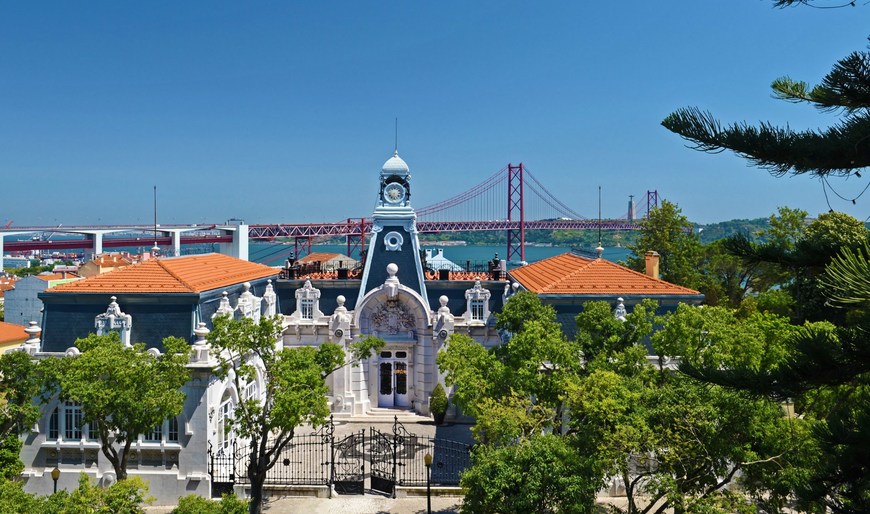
pixel 394 378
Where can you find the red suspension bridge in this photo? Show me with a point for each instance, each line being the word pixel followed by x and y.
pixel 511 200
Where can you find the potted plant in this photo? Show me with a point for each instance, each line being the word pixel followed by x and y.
pixel 438 403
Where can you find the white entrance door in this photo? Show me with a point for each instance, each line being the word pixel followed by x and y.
pixel 393 379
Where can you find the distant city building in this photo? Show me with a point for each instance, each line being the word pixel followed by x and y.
pixel 10 262
pixel 104 263
pixel 7 283
pixel 435 260
pixel 22 303
pixel 329 262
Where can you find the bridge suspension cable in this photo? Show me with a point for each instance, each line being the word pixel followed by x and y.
pixel 465 196
pixel 550 199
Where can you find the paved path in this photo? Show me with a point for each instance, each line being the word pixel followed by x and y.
pixel 453 431
pixel 368 504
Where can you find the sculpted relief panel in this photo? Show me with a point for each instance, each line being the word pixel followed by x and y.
pixel 393 317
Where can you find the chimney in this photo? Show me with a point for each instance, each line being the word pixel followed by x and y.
pixel 652 264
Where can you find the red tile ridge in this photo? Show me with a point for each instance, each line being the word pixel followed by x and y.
pixel 175 275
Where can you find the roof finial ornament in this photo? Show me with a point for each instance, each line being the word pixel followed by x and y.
pixel 599 249
pixel 396 147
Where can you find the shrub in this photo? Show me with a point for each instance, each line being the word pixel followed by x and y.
pixel 438 400
pixel 228 504
pixel 123 497
pixel 13 499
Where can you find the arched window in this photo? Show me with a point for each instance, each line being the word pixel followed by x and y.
pixel 172 433
pixel 225 432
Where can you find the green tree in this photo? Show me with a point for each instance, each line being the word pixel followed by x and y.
pixel 785 227
pixel 295 388
pixel 531 364
pixel 601 334
pixel 542 474
pixel 671 441
pixel 193 504
pixel 796 266
pixel 124 390
pixel 20 382
pixel 522 307
pixel 668 232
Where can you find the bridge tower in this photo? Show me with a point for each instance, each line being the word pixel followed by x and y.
pixel 516 239
pixel 652 201
pixel 356 236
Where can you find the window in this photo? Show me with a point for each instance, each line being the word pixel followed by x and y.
pixel 306 306
pixel 168 428
pixel 66 423
pixel 252 390
pixel 172 433
pixel 477 308
pixel 155 435
pixel 224 426
pixel 72 421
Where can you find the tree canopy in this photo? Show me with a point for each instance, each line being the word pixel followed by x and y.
pixel 827 362
pixel 668 232
pixel 124 391
pixel 20 382
pixel 598 407
pixel 295 390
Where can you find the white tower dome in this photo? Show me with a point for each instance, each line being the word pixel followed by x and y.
pixel 395 165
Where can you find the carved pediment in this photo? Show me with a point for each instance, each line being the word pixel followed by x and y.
pixel 393 317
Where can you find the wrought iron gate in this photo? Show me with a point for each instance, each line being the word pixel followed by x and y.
pixel 222 468
pixel 348 463
pixel 320 458
pixel 383 458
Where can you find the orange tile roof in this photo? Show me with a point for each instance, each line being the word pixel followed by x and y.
pixel 48 277
pixel 321 257
pixel 11 333
pixel 571 274
pixel 190 274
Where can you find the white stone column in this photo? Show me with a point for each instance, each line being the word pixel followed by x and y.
pixel 98 242
pixel 238 248
pixel 176 243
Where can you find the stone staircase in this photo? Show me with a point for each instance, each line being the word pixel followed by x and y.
pixel 383 415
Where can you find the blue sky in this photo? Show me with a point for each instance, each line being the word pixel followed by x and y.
pixel 283 111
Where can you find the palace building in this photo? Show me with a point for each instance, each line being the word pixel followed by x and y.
pixel 392 295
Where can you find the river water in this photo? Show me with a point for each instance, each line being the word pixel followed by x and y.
pixel 274 254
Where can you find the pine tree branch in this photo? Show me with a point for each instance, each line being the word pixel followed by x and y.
pixel 838 150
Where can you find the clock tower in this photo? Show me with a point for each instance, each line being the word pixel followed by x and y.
pixel 394 227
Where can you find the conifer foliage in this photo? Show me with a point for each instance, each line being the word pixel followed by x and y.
pixel 827 368
pixel 842 149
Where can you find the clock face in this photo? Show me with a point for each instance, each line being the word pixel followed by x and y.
pixel 394 193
